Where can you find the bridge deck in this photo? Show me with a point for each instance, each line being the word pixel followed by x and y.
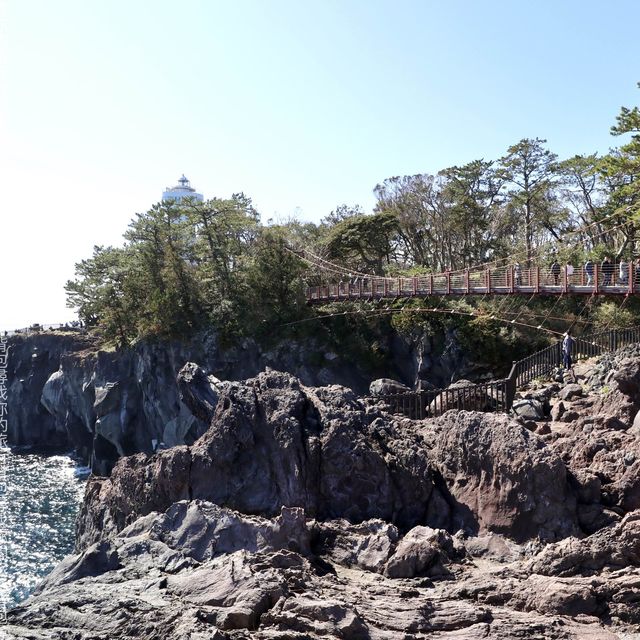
pixel 504 281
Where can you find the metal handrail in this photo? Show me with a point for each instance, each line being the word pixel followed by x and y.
pixel 500 281
pixel 498 395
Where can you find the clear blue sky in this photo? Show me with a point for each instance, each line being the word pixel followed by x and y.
pixel 302 105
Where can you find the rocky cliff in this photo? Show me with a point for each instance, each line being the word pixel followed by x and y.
pixel 67 393
pixel 274 442
pixel 305 513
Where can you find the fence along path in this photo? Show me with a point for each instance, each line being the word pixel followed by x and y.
pixel 482 281
pixel 498 395
pixel 73 326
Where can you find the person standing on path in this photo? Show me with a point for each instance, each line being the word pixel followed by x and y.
pixel 567 350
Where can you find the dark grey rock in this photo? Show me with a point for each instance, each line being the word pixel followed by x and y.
pixel 557 411
pixel 273 443
pixel 570 391
pixel 198 392
pixel 385 386
pixel 529 409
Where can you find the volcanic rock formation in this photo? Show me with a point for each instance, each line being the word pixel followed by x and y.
pixel 307 513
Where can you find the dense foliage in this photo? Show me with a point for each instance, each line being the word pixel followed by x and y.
pixel 189 265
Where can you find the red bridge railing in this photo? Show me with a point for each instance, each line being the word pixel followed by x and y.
pixel 499 281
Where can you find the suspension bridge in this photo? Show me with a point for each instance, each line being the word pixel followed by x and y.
pixel 506 280
pixel 501 277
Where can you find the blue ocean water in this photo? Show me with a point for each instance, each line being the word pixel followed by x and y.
pixel 42 498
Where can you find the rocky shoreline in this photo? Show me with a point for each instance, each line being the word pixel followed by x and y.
pixel 305 512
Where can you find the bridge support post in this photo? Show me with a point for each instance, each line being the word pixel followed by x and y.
pixel 596 278
pixel 466 275
pixel 448 282
pixel 565 280
pixel 632 275
pixel 415 286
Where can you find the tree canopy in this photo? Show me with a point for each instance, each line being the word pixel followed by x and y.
pixel 192 265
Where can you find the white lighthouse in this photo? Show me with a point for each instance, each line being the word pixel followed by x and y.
pixel 182 190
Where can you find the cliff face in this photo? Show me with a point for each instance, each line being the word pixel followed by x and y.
pixel 32 360
pixel 65 393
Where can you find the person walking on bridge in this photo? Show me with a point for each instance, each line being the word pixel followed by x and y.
pixel 517 274
pixel 607 271
pixel 555 271
pixel 623 275
pixel 589 269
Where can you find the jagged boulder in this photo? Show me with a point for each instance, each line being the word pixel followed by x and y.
pixel 570 391
pixel 618 399
pixel 500 477
pixel 616 546
pixel 423 551
pixel 609 453
pixel 386 386
pixel 273 443
pixel 202 530
pixel 529 409
pixel 198 391
pixel 367 545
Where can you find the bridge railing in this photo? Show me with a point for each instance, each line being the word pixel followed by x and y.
pixel 498 395
pixel 487 396
pixel 498 280
pixel 537 365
